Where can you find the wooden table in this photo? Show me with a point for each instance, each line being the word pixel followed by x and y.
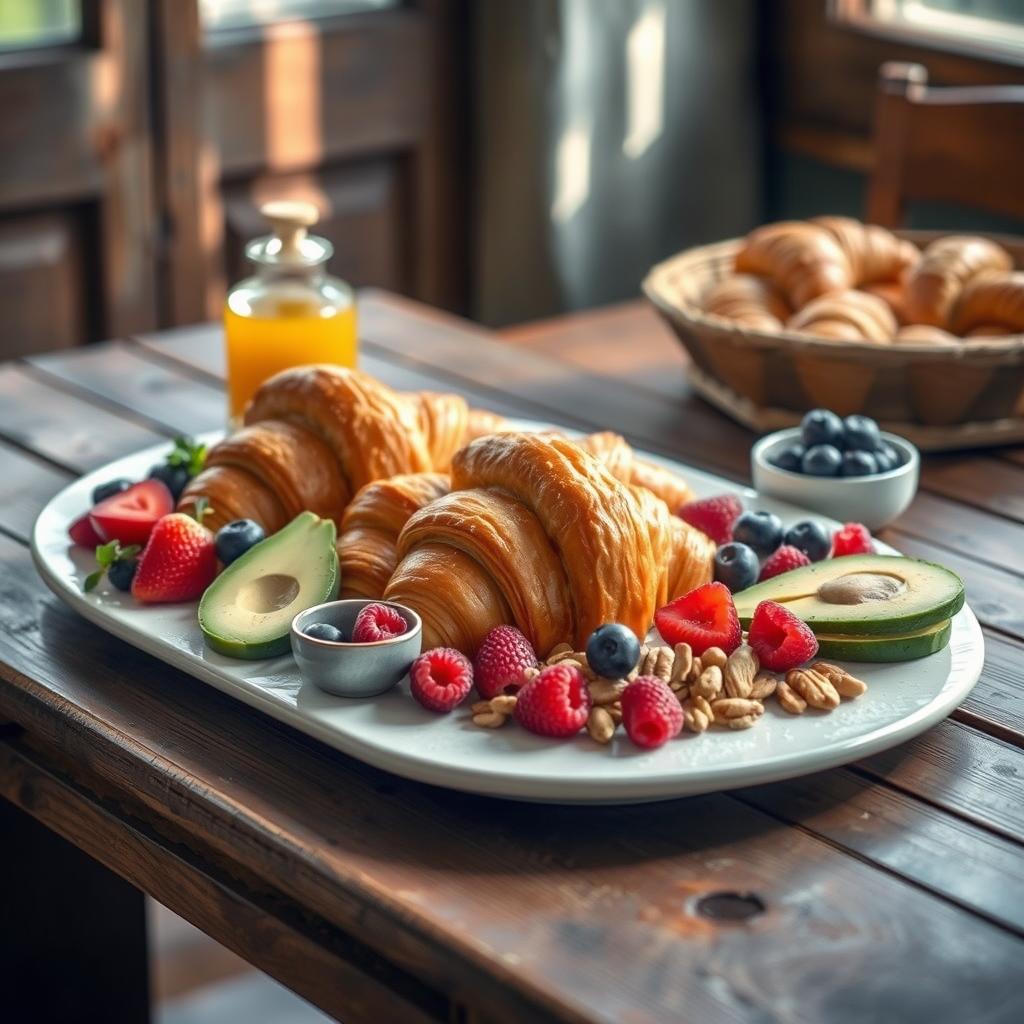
pixel 890 890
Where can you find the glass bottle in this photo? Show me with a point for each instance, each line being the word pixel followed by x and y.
pixel 290 312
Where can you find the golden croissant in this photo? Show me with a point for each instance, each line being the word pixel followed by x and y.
pixel 748 300
pixel 946 266
pixel 538 532
pixel 874 253
pixel 852 314
pixel 373 520
pixel 803 259
pixel 991 304
pixel 315 435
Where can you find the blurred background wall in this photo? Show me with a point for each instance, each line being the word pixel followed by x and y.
pixel 507 159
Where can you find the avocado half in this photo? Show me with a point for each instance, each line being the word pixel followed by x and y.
pixel 247 611
pixel 862 596
pixel 904 647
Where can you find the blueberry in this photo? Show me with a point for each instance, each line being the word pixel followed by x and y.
pixel 790 458
pixel 325 631
pixel 737 566
pixel 888 457
pixel 176 477
pixel 822 460
pixel 859 464
pixel 761 531
pixel 236 537
pixel 613 650
pixel 820 426
pixel 862 433
pixel 109 489
pixel 811 538
pixel 122 572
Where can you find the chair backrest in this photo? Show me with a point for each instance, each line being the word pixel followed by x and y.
pixel 958 145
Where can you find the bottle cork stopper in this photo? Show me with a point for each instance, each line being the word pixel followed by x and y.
pixel 289 220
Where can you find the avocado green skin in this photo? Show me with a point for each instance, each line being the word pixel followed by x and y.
pixel 276 646
pixel 886 624
pixel 905 648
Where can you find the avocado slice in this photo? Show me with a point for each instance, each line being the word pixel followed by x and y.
pixel 247 611
pixel 862 595
pixel 903 647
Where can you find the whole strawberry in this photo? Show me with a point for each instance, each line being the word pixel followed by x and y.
pixel 651 714
pixel 501 661
pixel 782 560
pixel 714 516
pixel 178 562
pixel 555 703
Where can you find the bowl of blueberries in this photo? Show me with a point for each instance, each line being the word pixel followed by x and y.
pixel 848 468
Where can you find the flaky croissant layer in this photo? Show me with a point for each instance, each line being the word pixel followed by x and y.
pixel 538 532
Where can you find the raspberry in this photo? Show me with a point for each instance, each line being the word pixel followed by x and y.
pixel 554 703
pixel 378 622
pixel 780 640
pixel 714 516
pixel 650 712
pixel 441 679
pixel 852 539
pixel 499 664
pixel 703 618
pixel 782 560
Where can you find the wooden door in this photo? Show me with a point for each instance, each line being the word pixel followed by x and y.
pixel 76 202
pixel 353 106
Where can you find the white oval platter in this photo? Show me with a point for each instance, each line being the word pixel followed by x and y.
pixel 393 733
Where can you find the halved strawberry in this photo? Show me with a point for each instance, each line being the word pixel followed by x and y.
pixel 81 532
pixel 780 640
pixel 703 618
pixel 179 561
pixel 131 515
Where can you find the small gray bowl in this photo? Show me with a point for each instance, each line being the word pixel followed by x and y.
pixel 354 670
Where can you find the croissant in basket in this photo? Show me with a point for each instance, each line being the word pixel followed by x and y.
pixel 314 435
pixel 991 304
pixel 854 315
pixel 538 532
pixel 748 300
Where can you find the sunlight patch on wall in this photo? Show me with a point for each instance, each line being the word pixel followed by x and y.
pixel 645 81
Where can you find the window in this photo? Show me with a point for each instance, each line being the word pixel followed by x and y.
pixel 988 28
pixel 238 13
pixel 28 24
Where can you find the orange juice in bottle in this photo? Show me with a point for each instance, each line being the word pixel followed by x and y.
pixel 290 312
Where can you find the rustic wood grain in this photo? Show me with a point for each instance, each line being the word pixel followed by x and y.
pixel 73 434
pixel 26 485
pixel 220 905
pixel 557 880
pixel 961 770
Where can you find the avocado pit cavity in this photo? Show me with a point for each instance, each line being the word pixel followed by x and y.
pixel 860 587
pixel 269 593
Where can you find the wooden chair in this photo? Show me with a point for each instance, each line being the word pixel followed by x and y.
pixel 960 145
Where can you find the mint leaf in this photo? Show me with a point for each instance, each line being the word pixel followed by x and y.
pixel 106 554
pixel 92 580
pixel 188 453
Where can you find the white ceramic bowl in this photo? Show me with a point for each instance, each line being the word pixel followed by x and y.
pixel 871 500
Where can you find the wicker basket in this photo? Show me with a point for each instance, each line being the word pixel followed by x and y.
pixel 978 383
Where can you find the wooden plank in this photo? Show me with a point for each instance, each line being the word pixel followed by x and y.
pixel 993 594
pixel 961 770
pixel 65 430
pixel 282 944
pixel 122 379
pixel 566 891
pixel 990 484
pixel 26 485
pixel 907 837
pixel 996 704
